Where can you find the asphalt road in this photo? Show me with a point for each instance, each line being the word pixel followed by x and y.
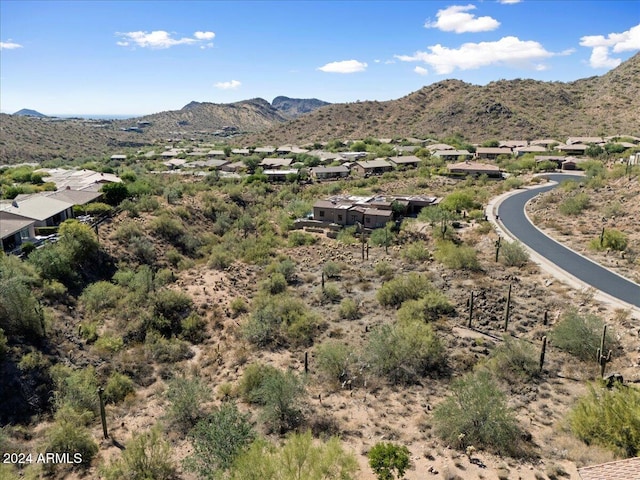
pixel 512 217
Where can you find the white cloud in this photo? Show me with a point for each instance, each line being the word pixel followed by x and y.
pixel 232 85
pixel 509 2
pixel 456 19
pixel 9 45
pixel 506 51
pixel 204 35
pixel 619 42
pixel 421 71
pixel 346 66
pixel 159 39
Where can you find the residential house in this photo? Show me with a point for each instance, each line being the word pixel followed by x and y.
pixel 372 167
pixel 333 211
pixel 212 163
pixel 585 140
pixel 544 142
pixel 78 179
pixel 475 168
pixel 569 164
pixel 558 160
pixel 76 197
pixel 401 149
pixel 519 151
pixel 439 146
pixel 326 157
pixel 377 218
pixel 45 211
pixel 406 161
pixel 491 153
pixel 513 144
pixel 265 150
pixel 327 173
pixel 628 469
pixel 352 156
pixel 452 155
pixel 15 230
pixel 118 157
pixel 279 175
pixel 241 151
pixel 233 167
pixel 216 153
pixel 276 163
pixel 572 149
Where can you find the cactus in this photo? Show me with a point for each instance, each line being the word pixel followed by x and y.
pixel 103 415
pixel 470 309
pixel 507 309
pixel 498 247
pixel 546 318
pixel 601 357
pixel 443 228
pixel 602 237
pixel 322 281
pixel 543 352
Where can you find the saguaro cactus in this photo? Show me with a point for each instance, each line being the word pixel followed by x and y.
pixel 543 351
pixel 507 309
pixel 601 357
pixel 498 247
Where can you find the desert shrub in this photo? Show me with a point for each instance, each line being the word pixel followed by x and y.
pixel 404 352
pixel 186 397
pixel 276 283
pixel 117 388
pixel 96 209
pixel 514 361
pixel 4 348
pixel 459 200
pixel 69 435
pixel 401 289
pixel 347 236
pixel 279 318
pixel 217 441
pixel 334 360
pixel 574 204
pixel 114 193
pixel 109 343
pixel 146 456
pixel 476 414
pixel 609 418
pixel 165 350
pixel 459 257
pixel 193 328
pixel 297 239
pixel 76 389
pixel 384 269
pixel 172 306
pixel 148 203
pixel 142 249
pixel 348 309
pixel 332 269
pixel 128 230
pixel 298 458
pixel 169 228
pixel 238 306
pixel 513 254
pixel 611 240
pixel 383 237
pixel 513 182
pixel 220 258
pixel 20 312
pixel 416 252
pixel 331 293
pixel 388 460
pixel 53 290
pixel 580 335
pixel 425 309
pixel 286 267
pixel 252 379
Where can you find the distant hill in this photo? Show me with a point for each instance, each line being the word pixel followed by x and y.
pixel 516 109
pixel 295 107
pixel 25 112
pixel 607 105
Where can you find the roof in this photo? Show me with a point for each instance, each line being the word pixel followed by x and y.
pixel 447 153
pixel 77 197
pixel 38 207
pixel 216 153
pixel 10 223
pixel 572 140
pixel 513 143
pixel 628 469
pixel 405 159
pixel 265 150
pixel 378 212
pixel 494 150
pixel 118 157
pixel 77 179
pixel 276 162
pixel 531 149
pixel 339 169
pixel 439 146
pixel 241 151
pixel 377 163
pixel 572 147
pixel 473 167
pixel 206 163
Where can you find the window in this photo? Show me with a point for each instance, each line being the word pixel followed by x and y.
pixel 321 213
pixel 339 217
pixel 24 234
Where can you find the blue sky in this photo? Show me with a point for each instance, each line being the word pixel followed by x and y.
pixel 140 57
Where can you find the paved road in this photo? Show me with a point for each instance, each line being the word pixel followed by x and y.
pixel 511 212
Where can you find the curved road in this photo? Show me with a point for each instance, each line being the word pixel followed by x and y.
pixel 512 217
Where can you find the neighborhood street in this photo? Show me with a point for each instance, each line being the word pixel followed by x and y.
pixel 512 218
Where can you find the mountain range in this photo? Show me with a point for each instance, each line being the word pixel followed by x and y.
pixel 517 109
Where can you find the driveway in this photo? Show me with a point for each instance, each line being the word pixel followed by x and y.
pixel 513 220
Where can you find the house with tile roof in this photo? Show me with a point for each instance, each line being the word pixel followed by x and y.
pixel 628 469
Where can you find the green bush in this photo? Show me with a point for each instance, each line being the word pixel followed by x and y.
pixel 128 230
pixel 459 257
pixel 68 435
pixel 400 289
pixel 388 460
pixel 193 328
pixel 252 379
pixel 172 306
pixel 220 258
pixel 574 205
pixel 238 306
pixel 335 360
pixel 348 309
pixel 286 267
pixel 611 240
pixel 169 228
pixel 580 335
pixel 416 252
pixel 165 350
pixel 514 361
pixel 186 397
pixel 77 389
pixel 297 239
pixel 609 418
pixel 384 269
pixel 147 456
pixel 275 284
pixel 513 254
pixel 347 236
pixel 459 200
pixel 218 440
pixel 109 343
pixel 430 307
pixel 118 387
pixel 405 352
pixel 20 311
pixel 476 414
pixel 331 293
pixel 332 270
pixel 298 458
